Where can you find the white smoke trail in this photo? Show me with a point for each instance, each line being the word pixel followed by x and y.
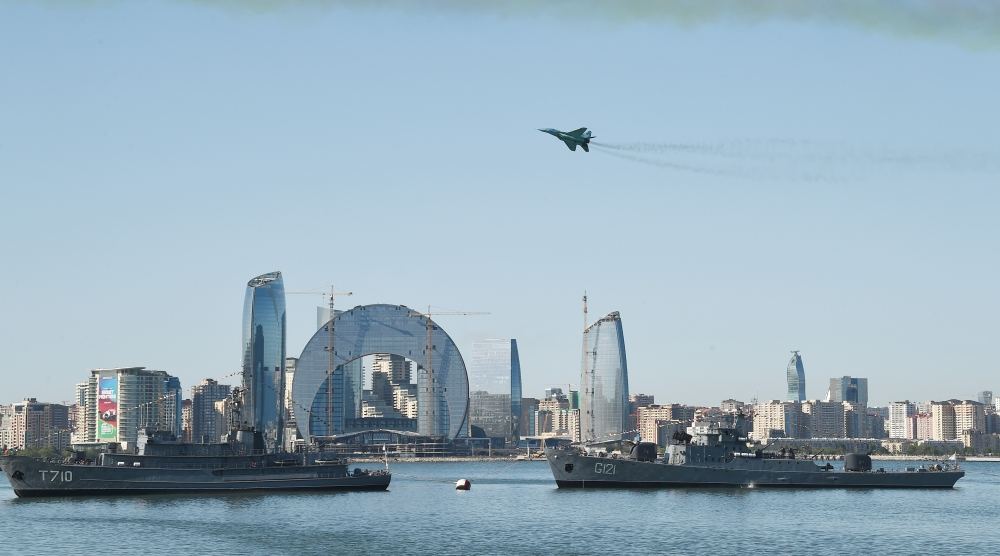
pixel 620 153
pixel 781 157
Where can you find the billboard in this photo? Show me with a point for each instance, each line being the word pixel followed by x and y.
pixel 107 408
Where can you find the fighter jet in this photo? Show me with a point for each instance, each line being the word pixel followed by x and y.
pixel 573 138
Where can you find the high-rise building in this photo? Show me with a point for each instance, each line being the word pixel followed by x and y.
pixel 969 416
pixel 6 426
pixel 923 427
pixel 529 407
pixel 264 360
pixel 777 419
pixel 899 415
pixel 604 381
pixel 34 424
pixel 635 401
pixel 943 421
pixel 796 376
pixel 849 389
pixel 173 405
pixel 495 388
pixel 120 403
pixel 186 416
pixel 823 419
pixel 650 420
pixel 81 425
pixel 985 397
pixel 204 418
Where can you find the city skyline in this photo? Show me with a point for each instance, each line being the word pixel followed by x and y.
pixel 190 382
pixel 853 222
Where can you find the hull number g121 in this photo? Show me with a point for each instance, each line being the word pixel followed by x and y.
pixel 604 468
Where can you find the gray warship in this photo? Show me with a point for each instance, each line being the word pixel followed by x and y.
pixel 716 456
pixel 164 465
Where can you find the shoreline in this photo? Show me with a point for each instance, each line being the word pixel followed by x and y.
pixel 509 459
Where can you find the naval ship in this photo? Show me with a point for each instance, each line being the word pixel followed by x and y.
pixel 163 465
pixel 716 456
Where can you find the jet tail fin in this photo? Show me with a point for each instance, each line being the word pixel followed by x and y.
pixel 579 133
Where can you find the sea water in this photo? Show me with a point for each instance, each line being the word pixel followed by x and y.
pixel 514 508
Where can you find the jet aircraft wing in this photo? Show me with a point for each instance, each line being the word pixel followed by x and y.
pixel 571 145
pixel 577 132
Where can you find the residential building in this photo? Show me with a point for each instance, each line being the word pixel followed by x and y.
pixel 204 415
pixel 6 426
pixel 529 407
pixel 777 419
pixel 923 427
pixel 943 425
pixel 732 406
pixel 33 424
pixel 969 416
pixel 186 412
pixel 822 419
pixel 648 418
pixel 899 416
pixel 122 402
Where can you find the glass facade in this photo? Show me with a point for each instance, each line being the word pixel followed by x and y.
pixel 443 403
pixel 495 388
pixel 264 359
pixel 604 404
pixel 849 389
pixel 796 379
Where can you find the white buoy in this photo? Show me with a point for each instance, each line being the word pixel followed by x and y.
pixel 463 484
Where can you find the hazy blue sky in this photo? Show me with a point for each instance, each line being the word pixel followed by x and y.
pixel 796 178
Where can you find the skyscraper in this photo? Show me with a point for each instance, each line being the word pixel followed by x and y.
pixel 796 379
pixel 604 404
pixel 123 402
pixel 264 360
pixel 495 388
pixel 849 389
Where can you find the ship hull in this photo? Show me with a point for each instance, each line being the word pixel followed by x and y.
pixel 572 470
pixel 35 478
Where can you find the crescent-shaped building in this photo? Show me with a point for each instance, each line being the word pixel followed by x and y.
pixel 330 406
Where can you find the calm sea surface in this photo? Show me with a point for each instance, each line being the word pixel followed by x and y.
pixel 516 508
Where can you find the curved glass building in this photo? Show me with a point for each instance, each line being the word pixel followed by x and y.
pixel 495 388
pixel 604 381
pixel 796 375
pixel 264 359
pixel 386 330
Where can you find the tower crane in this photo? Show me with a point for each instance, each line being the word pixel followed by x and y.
pixel 331 352
pixel 430 413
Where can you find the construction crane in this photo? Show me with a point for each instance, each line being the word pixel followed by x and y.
pixel 430 413
pixel 331 352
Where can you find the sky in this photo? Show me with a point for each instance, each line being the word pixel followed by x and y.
pixel 766 176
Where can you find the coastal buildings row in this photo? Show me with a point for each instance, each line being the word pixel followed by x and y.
pixel 389 368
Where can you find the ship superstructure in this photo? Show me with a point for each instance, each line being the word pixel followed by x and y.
pixel 714 455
